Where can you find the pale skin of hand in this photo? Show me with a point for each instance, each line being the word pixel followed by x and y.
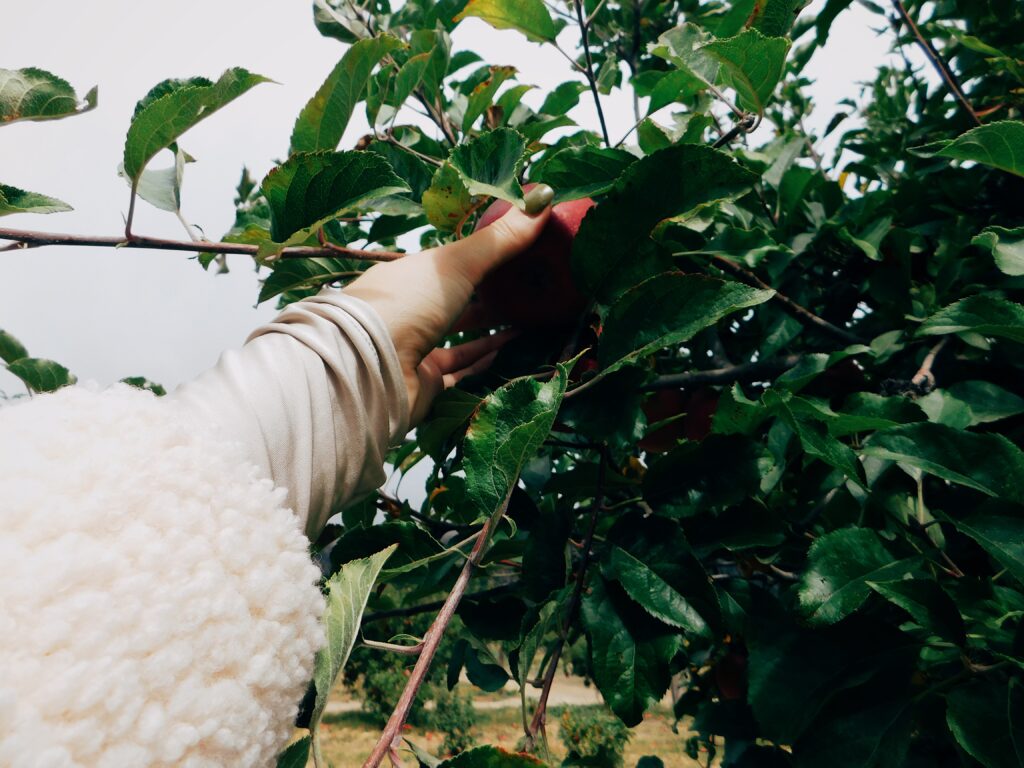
pixel 420 296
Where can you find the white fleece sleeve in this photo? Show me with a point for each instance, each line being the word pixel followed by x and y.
pixel 315 398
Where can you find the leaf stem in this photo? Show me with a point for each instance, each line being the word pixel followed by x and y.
pixel 947 75
pixel 24 238
pixel 131 212
pixel 585 33
pixel 924 376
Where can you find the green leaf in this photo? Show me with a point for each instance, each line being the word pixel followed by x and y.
pixel 530 17
pixel 839 566
pixel 1006 247
pixel 927 603
pixel 296 755
pixel 583 171
pixel 310 189
pixel 752 64
pixel 611 250
pixel 490 164
pixel 159 123
pixel 141 382
pixel 562 98
pixel 969 403
pixel 986 462
pixel 14 200
pixel 978 715
pixel 10 348
pixel 875 734
pixel 491 757
pixel 981 314
pixel 629 651
pixel 446 202
pixel 41 375
pixel 683 46
pixel 774 18
pixel 483 95
pixel 1000 145
pixel 347 593
pixel 653 593
pixel 341 23
pixel 291 274
pixel 506 431
pixel 815 438
pixel 1001 535
pixel 323 120
pixel 162 187
pixel 666 310
pixel 35 94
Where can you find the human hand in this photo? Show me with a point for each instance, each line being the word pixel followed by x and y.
pixel 420 296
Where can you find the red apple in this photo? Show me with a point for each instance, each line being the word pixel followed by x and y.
pixel 535 289
pixel 699 408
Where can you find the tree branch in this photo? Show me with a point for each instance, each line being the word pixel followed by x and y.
pixel 585 33
pixel 24 238
pixel 744 125
pixel 944 70
pixel 763 369
pixel 392 733
pixel 798 311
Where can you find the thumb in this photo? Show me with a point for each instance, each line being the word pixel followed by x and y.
pixel 485 249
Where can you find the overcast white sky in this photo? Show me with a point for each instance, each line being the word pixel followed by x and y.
pixel 109 314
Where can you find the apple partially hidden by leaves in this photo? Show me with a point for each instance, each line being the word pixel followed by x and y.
pixel 535 289
pixel 692 416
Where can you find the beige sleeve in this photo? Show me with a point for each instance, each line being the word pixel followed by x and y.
pixel 315 397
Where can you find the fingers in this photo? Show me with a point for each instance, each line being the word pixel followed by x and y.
pixel 464 355
pixel 486 248
pixel 445 368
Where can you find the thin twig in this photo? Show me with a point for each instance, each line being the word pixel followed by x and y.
pixel 944 70
pixel 585 34
pixel 743 125
pixel 392 733
pixel 131 212
pixel 924 375
pixel 763 369
pixel 25 238
pixel 800 312
pixel 416 610
pixel 540 713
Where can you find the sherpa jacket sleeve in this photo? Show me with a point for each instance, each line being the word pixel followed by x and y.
pixel 158 605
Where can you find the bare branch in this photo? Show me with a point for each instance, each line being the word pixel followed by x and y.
pixel 763 369
pixel 585 33
pixel 24 238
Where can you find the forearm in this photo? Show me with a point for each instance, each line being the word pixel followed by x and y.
pixel 315 398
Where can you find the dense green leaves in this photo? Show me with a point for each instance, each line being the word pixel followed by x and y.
pixel 14 200
pixel 323 120
pixel 1000 145
pixel 347 593
pixel 927 604
pixel 668 309
pixel 988 463
pixel 490 164
pixel 985 315
pixel 310 189
pixel 840 566
pixel 530 17
pixel 969 403
pixel 35 94
pixel 491 757
pixel 1001 535
pixel 612 251
pixel 161 120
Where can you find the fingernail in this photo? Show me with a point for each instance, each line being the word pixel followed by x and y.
pixel 538 198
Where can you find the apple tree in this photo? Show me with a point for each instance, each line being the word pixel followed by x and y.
pixel 758 443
